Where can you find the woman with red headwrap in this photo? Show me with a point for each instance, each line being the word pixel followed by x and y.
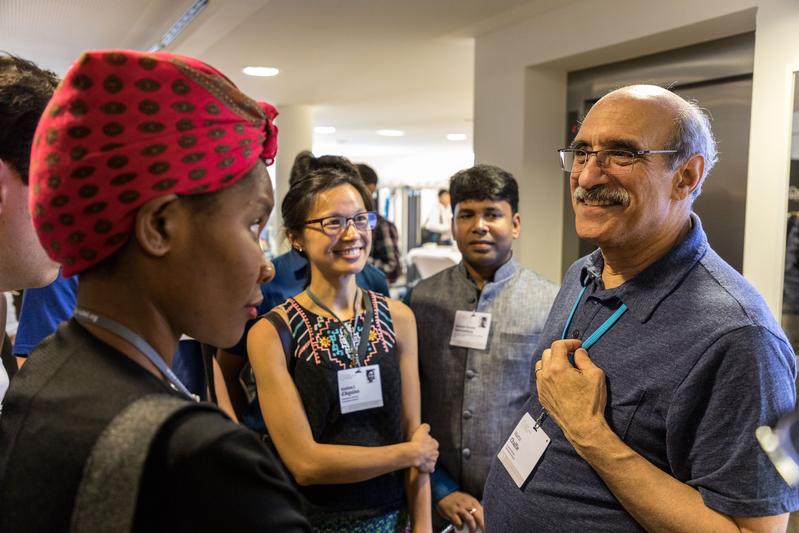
pixel 148 180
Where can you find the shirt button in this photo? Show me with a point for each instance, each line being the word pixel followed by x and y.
pixel 466 453
pixel 471 299
pixel 470 374
pixel 576 334
pixel 467 414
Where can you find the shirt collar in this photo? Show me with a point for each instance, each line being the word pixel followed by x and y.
pixel 503 273
pixel 645 291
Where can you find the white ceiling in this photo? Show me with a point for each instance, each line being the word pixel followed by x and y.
pixel 363 64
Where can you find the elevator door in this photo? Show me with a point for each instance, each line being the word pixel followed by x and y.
pixel 722 204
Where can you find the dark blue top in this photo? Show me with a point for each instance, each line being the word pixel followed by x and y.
pixel 291 277
pixel 320 351
pixel 693 368
pixel 43 310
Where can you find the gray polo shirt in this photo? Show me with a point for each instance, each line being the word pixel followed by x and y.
pixel 469 396
pixel 693 367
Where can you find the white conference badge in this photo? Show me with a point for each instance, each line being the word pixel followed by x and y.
pixel 523 449
pixel 359 388
pixel 471 330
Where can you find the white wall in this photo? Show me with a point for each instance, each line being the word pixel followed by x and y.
pixel 520 107
pixel 776 59
pixel 416 166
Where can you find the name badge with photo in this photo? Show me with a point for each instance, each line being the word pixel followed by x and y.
pixel 359 389
pixel 471 330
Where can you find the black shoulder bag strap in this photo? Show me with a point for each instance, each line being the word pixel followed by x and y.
pixel 109 488
pixel 286 339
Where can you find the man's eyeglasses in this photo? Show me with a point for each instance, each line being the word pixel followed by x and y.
pixel 573 160
pixel 339 223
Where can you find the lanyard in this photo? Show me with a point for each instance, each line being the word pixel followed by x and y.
pixel 360 349
pixel 590 341
pixel 139 343
pixel 601 330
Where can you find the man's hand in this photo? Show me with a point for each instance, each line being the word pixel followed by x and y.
pixel 574 396
pixel 461 508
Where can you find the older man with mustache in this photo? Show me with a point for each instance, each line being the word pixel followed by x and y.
pixel 658 360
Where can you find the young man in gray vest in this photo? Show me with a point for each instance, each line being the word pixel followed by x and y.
pixel 479 322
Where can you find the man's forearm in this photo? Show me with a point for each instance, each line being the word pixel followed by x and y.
pixel 657 501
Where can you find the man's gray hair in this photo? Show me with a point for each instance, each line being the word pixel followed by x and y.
pixel 692 135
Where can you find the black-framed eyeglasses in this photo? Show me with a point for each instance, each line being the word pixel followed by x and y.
pixel 612 160
pixel 337 224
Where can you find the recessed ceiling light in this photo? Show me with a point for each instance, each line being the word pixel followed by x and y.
pixel 263 72
pixel 324 129
pixel 456 136
pixel 391 133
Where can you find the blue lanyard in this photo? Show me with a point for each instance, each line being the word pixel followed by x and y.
pixel 140 344
pixel 601 330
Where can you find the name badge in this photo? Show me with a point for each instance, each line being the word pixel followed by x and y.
pixel 523 449
pixel 360 389
pixel 471 330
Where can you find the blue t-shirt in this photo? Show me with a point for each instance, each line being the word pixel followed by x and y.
pixel 694 366
pixel 291 278
pixel 43 310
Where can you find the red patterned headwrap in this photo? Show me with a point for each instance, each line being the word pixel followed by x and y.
pixel 125 127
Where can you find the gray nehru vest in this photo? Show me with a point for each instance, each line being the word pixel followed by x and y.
pixel 470 397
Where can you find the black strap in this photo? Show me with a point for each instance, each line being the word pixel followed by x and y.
pixel 7 355
pixel 109 488
pixel 286 339
pixel 208 354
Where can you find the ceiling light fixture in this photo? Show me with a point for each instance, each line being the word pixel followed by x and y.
pixel 261 72
pixel 324 129
pixel 391 133
pixel 185 19
pixel 456 136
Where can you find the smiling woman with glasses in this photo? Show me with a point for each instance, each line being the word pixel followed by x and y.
pixel 337 373
pixel 337 223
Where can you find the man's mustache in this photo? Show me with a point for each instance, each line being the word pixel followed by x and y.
pixel 602 195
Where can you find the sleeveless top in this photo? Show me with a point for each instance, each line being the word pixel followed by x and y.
pixel 320 350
